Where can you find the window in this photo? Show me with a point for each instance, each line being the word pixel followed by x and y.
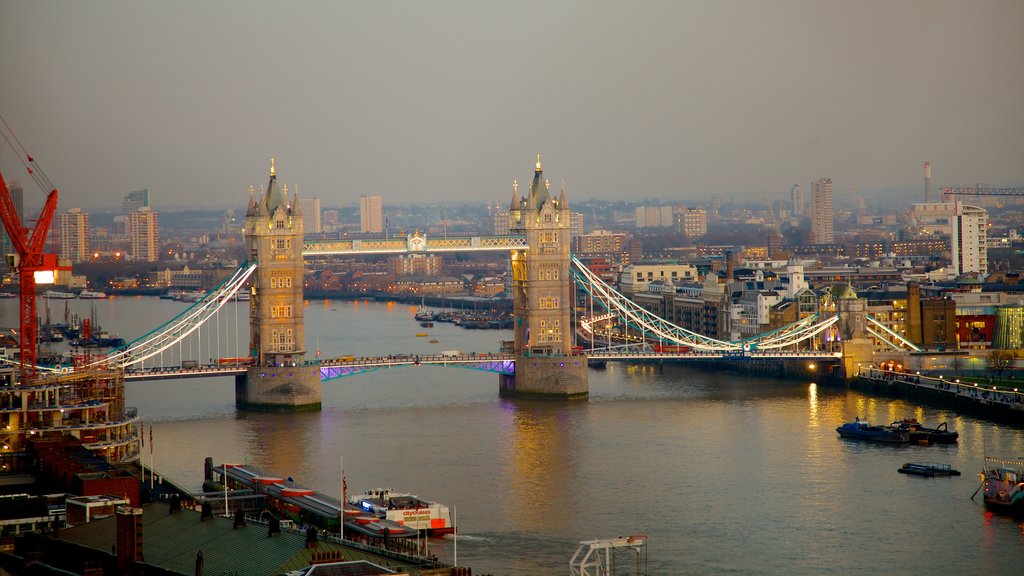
pixel 280 243
pixel 280 224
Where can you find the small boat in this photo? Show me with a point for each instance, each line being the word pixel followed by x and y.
pixel 59 295
pixel 1003 481
pixel 92 295
pixel 929 469
pixel 426 324
pixel 407 510
pixel 8 295
pixel 421 334
pixel 242 296
pixel 941 434
pixel 433 340
pixel 861 430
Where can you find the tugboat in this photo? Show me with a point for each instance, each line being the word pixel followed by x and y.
pixel 1003 481
pixel 861 430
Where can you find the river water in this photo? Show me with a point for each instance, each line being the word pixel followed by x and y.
pixel 724 474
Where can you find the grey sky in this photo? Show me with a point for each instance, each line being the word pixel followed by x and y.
pixel 450 100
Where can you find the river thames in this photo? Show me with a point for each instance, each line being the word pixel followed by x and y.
pixel 725 474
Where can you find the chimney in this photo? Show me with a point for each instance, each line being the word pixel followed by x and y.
pixel 730 266
pixel 129 537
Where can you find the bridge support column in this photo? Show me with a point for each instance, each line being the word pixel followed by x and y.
pixel 278 389
pixel 857 345
pixel 555 377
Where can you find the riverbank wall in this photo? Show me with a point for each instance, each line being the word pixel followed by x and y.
pixel 998 403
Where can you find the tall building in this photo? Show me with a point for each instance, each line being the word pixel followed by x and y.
pixel 499 222
pixel 144 235
pixel 310 209
pixel 74 235
pixel 136 200
pixel 796 198
pixel 822 215
pixel 695 222
pixel 371 214
pixel 968 236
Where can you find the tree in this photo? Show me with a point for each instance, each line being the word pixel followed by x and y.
pixel 999 361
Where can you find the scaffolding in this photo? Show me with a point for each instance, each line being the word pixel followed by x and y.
pixel 605 557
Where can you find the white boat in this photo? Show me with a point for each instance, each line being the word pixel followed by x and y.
pixel 191 296
pixel 405 509
pixel 59 295
pixel 91 295
pixel 242 296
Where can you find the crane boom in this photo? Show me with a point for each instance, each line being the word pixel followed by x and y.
pixel 29 247
pixel 981 191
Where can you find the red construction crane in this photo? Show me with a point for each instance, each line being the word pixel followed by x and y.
pixel 32 264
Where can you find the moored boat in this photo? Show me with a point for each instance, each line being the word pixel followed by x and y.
pixel 941 434
pixel 1003 482
pixel 929 469
pixel 861 430
pixel 92 295
pixel 405 509
pixel 59 295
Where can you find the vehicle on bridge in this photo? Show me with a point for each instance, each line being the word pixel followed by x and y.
pixel 235 362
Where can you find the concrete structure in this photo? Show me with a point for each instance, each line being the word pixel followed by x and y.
pixel 144 235
pixel 310 208
pixel 542 298
pixel 968 236
pixel 281 378
pixel 74 235
pixel 371 214
pixel 927 181
pixel 822 214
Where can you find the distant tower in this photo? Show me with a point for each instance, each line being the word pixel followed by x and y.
pixel 797 200
pixel 280 380
pixel 542 297
pixel 74 235
pixel 927 181
pixel 371 214
pixel 822 215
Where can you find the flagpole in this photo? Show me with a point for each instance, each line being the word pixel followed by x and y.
pixel 225 481
pixel 455 534
pixel 152 470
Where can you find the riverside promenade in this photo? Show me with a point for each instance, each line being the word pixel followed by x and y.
pixel 987 399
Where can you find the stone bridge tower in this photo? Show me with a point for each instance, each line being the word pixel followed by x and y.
pixel 542 298
pixel 281 379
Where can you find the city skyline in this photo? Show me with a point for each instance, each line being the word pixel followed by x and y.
pixel 674 101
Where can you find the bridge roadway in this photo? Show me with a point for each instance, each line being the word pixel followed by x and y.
pixel 488 361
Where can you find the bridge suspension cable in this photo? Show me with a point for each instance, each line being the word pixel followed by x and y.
pixel 657 327
pixel 176 329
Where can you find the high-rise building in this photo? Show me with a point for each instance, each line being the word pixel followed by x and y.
pixel 310 209
pixel 968 235
pixel 796 196
pixel 500 223
pixel 135 200
pixel 144 235
pixel 822 216
pixel 371 214
pixel 695 222
pixel 575 224
pixel 74 235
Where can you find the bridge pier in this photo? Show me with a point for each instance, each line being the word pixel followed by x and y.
pixel 278 389
pixel 554 377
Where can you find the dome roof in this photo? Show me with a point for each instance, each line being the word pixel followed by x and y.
pixel 843 291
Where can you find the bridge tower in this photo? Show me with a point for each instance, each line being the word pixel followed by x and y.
pixel 281 379
pixel 542 298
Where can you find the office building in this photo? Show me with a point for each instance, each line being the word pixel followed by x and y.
pixel 136 200
pixel 144 235
pixel 499 223
pixel 74 231
pixel 371 214
pixel 968 236
pixel 822 215
pixel 309 208
pixel 797 201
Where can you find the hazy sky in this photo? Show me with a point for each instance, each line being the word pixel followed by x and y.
pixel 451 100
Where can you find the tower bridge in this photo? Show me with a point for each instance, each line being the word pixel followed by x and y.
pixel 277 373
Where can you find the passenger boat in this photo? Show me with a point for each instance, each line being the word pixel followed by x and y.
pixel 421 334
pixel 92 295
pixel 861 430
pixel 941 434
pixel 405 509
pixel 59 295
pixel 8 295
pixel 929 469
pixel 1003 481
